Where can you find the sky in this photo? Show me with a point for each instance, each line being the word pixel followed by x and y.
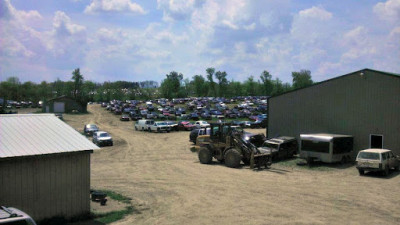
pixel 134 40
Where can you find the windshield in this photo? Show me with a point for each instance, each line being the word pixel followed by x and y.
pixel 104 135
pixel 369 155
pixel 91 126
pixel 158 124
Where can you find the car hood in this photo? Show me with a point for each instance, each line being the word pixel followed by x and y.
pixel 267 150
pixel 104 138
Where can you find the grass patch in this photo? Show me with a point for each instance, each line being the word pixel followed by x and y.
pixel 117 197
pixel 113 216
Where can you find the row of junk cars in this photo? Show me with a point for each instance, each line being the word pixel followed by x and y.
pixel 252 108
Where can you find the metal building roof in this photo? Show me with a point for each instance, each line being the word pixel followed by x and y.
pixel 38 134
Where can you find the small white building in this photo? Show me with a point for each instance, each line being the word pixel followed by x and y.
pixel 44 166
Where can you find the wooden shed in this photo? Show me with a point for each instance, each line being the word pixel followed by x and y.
pixel 64 104
pixel 44 166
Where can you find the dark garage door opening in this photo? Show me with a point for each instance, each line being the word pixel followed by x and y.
pixel 376 141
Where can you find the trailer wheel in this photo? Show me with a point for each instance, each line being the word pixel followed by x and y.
pixel 205 155
pixel 232 158
pixel 343 160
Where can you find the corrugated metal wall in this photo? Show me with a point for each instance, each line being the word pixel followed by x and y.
pixel 47 186
pixel 354 104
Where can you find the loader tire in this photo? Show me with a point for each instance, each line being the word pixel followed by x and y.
pixel 205 155
pixel 246 161
pixel 232 158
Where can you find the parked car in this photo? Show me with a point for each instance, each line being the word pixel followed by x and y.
pixel 159 127
pixel 201 124
pixel 173 125
pixel 194 116
pixel 377 160
pixel 59 116
pixel 124 117
pixel 186 125
pixel 101 138
pixel 14 216
pixel 89 129
pixel 206 116
pixel 281 147
pixel 143 124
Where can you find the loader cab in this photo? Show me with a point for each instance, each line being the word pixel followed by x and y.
pixel 219 131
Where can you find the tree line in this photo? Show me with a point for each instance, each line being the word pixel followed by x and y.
pixel 216 84
pixel 213 84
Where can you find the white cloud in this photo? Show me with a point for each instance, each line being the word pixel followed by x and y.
pixel 18 38
pixel 97 6
pixel 7 11
pixel 251 26
pixel 63 26
pixel 315 13
pixel 178 9
pixel 389 10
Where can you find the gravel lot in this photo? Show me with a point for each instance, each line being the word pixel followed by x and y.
pixel 168 185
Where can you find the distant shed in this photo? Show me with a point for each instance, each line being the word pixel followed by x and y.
pixel 44 166
pixel 64 104
pixel 365 104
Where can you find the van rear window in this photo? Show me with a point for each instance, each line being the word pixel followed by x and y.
pixel 312 146
pixel 368 155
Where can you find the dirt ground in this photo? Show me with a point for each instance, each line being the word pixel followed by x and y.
pixel 168 185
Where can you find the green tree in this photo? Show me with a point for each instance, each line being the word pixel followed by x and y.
pixel 170 86
pixel 268 85
pixel 78 82
pixel 301 79
pixel 250 86
pixel 222 82
pixel 278 87
pixel 210 74
pixel 199 85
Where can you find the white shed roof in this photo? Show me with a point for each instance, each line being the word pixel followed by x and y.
pixel 38 134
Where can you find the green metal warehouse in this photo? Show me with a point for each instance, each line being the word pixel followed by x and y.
pixel 365 104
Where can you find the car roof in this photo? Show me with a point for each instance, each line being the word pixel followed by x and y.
pixel 12 214
pixel 280 140
pixel 375 150
pixel 101 132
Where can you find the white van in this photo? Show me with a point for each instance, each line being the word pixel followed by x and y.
pixel 143 124
pixel 328 148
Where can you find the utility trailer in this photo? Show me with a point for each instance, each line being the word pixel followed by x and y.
pixel 328 148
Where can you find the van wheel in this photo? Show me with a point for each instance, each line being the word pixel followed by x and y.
pixel 386 170
pixel 136 128
pixel 361 172
pixel 142 128
pixel 148 129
